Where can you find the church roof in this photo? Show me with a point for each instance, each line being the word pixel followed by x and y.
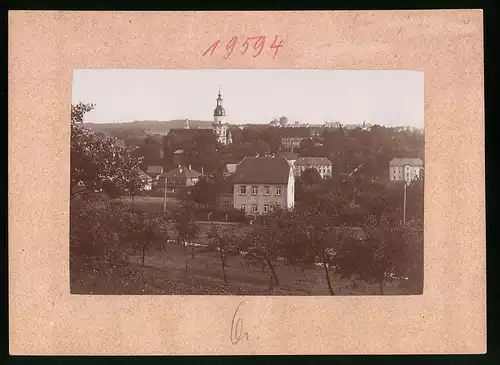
pixel 189 132
pixel 219 111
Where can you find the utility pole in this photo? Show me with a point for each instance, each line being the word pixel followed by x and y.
pixel 404 204
pixel 165 196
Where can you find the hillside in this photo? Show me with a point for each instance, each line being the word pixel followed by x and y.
pixel 149 126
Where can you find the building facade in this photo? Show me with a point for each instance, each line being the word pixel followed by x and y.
pixel 405 169
pixel 260 183
pixel 291 137
pixel 321 164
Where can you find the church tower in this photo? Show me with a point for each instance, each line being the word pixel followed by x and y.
pixel 219 125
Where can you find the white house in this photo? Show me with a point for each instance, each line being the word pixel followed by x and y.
pixel 321 164
pixel 262 182
pixel 405 169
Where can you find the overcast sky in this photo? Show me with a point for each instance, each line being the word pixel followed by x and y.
pixel 389 98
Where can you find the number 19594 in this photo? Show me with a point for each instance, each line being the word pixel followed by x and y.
pixel 257 43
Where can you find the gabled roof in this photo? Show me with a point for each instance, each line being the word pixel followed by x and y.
pixel 181 172
pixel 262 170
pixel 406 161
pixel 312 161
pixel 231 167
pixel 154 170
pixel 299 132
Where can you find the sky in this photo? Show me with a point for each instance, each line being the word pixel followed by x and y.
pixel 390 98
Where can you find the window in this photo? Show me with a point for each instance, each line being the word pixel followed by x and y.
pixel 266 208
pixel 243 190
pixel 267 190
pixel 278 190
pixel 255 209
pixel 254 190
pixel 226 204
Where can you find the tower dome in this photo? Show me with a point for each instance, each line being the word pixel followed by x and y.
pixel 219 109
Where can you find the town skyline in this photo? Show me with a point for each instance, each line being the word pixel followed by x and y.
pixel 389 98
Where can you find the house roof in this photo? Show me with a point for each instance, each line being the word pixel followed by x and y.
pixel 181 172
pixel 231 167
pixel 262 170
pixel 313 161
pixel 406 161
pixel 154 170
pixel 299 132
pixel 144 176
pixel 288 155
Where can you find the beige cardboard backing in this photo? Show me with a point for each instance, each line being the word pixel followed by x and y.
pixel 44 48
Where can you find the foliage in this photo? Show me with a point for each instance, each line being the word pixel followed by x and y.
pixel 185 225
pixel 224 242
pixel 105 231
pixel 97 163
pixel 310 176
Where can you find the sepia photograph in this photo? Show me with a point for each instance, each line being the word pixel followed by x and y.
pixel 247 182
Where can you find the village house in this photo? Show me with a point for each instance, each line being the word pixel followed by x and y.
pixel 146 180
pixel 179 178
pixel 405 169
pixel 321 164
pixel 262 182
pixel 154 173
pixel 291 137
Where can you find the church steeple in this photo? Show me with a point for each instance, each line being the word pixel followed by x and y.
pixel 219 125
pixel 219 109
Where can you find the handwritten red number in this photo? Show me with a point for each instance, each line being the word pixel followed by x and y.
pixel 275 46
pixel 211 48
pixel 230 47
pixel 245 45
pixel 259 45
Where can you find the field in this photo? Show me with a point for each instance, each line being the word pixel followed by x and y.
pixel 164 273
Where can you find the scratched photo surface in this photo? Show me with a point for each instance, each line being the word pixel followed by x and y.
pixel 246 181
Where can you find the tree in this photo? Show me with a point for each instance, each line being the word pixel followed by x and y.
pixel 272 137
pixel 261 147
pixel 224 242
pixel 306 143
pixel 310 176
pixel 204 192
pixel 186 227
pixel 380 256
pixel 145 231
pixel 316 223
pixel 98 163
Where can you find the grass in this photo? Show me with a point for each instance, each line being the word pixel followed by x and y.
pixel 164 274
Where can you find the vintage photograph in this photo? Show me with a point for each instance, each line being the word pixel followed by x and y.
pixel 247 182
